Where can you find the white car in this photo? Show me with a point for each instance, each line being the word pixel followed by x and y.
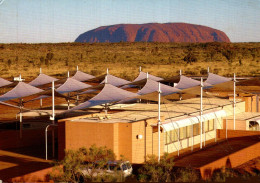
pixel 112 167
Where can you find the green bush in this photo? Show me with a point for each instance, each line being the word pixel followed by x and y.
pixel 93 158
pixel 154 171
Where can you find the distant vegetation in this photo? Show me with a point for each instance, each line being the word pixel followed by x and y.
pixel 123 59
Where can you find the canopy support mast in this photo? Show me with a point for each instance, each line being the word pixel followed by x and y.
pixel 159 120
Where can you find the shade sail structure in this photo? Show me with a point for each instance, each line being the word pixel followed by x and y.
pixel 82 76
pixel 115 81
pixel 171 124
pixel 250 82
pixel 143 75
pixel 154 97
pixel 139 83
pixel 4 82
pixel 196 90
pixel 108 94
pixel 10 105
pixel 19 91
pixel 214 79
pixel 48 93
pixel 174 79
pixel 72 85
pixel 42 79
pixel 186 82
pixel 152 86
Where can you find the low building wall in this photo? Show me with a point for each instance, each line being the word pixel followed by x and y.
pixel 232 160
pixel 221 133
pixel 38 176
pixel 11 138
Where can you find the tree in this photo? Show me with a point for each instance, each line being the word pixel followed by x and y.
pixel 49 56
pixel 155 171
pixel 9 62
pixel 92 159
pixel 190 57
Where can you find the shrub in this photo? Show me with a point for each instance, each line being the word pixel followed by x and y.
pixel 203 71
pixel 157 171
pixel 93 158
pixel 190 57
pixel 186 175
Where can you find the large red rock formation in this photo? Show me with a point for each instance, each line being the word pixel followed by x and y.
pixel 153 32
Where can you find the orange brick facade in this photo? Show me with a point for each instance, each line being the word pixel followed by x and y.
pixel 120 137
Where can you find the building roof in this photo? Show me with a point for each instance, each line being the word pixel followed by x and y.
pixel 142 111
pixel 246 116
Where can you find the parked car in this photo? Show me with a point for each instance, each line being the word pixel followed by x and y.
pixel 111 168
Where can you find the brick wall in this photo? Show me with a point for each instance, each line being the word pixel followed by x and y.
pixel 235 159
pixel 221 133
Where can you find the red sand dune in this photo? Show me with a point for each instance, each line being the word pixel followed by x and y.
pixel 153 32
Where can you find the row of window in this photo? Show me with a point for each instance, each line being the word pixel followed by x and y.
pixel 188 131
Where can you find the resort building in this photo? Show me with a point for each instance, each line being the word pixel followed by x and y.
pixel 131 129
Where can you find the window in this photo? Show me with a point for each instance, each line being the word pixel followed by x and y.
pixel 171 136
pixel 183 132
pixel 211 124
pixel 189 131
pixel 196 129
pixel 253 125
pixel 206 126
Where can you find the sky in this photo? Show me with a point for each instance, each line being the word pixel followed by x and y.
pixel 44 21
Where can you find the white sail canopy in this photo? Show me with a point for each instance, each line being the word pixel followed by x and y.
pixel 152 86
pixel 115 81
pixel 108 94
pixel 82 76
pixel 4 82
pixel 186 82
pixel 19 91
pixel 143 75
pixel 42 79
pixel 72 85
pixel 214 79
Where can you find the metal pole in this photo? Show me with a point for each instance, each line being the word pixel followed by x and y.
pixel 192 140
pixel 46 143
pixel 214 121
pixel 234 102
pixel 140 69
pixel 178 141
pixel 226 128
pixel 77 67
pixel 201 92
pixel 53 120
pixel 21 119
pixel 159 121
pixel 68 101
pixel 41 103
pixel 53 112
pixel 106 79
